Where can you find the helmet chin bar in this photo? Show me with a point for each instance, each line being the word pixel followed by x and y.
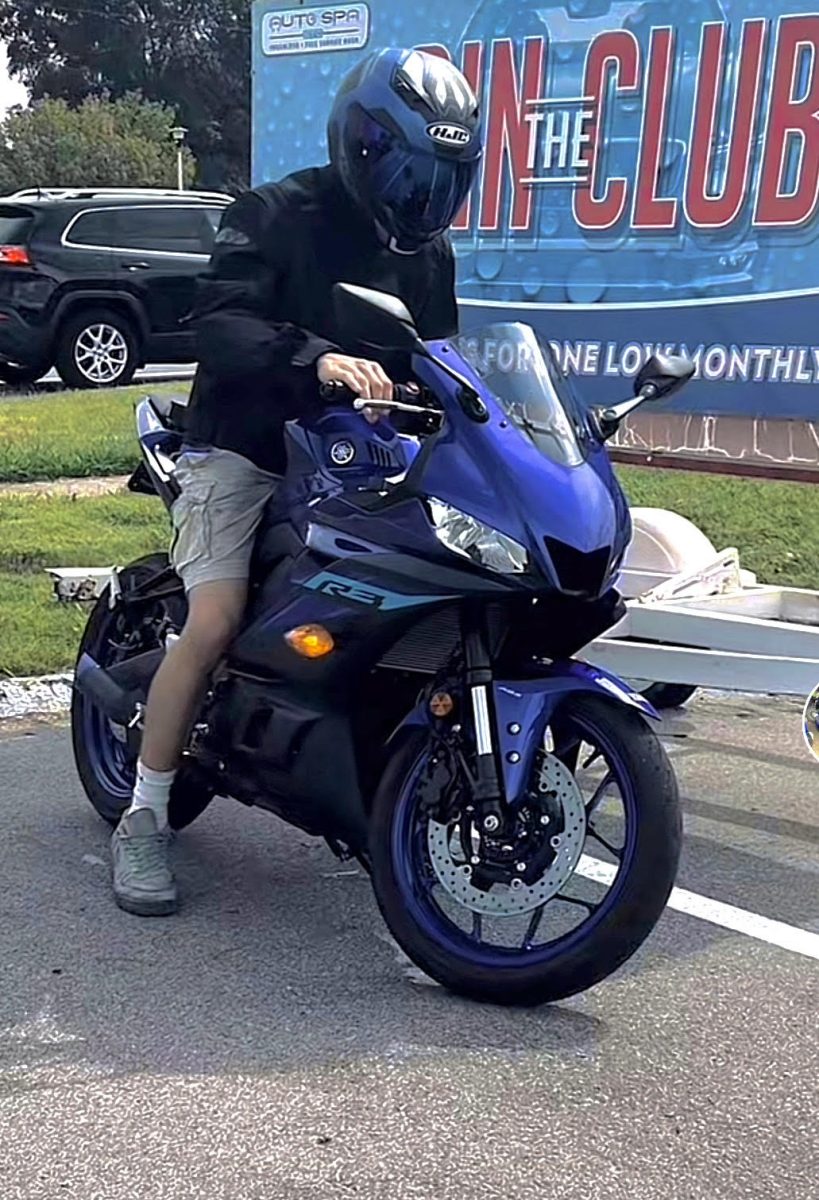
pixel 393 243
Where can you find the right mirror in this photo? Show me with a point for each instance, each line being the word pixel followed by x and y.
pixel 662 375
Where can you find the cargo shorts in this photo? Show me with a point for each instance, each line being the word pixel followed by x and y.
pixel 217 515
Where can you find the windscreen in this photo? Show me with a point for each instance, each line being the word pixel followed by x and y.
pixel 525 380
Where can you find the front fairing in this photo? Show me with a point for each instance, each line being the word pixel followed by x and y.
pixel 492 472
pixel 570 516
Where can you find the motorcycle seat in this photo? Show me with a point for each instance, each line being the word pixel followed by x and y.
pixel 275 540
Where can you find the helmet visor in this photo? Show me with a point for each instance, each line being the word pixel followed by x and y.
pixel 419 195
pixel 414 193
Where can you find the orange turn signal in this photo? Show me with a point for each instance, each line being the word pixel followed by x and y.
pixel 441 704
pixel 311 641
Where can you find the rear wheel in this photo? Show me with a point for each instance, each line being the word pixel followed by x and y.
pixel 97 348
pixel 106 753
pixel 591 856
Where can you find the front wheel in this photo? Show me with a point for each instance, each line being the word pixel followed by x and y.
pixel 569 890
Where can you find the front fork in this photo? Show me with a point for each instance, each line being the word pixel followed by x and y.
pixel 487 788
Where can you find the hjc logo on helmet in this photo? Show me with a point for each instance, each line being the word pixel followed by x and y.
pixel 449 135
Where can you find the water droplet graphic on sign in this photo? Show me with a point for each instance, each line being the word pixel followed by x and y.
pixel 586 283
pixel 532 283
pixel 489 264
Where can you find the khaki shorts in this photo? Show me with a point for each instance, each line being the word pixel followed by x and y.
pixel 217 514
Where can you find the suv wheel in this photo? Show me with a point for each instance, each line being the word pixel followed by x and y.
pixel 97 348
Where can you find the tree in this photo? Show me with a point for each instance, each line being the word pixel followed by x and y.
pixel 101 143
pixel 193 55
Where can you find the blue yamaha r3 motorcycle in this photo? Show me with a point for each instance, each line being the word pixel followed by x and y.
pixel 404 685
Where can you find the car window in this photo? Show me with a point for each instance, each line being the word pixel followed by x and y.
pixel 174 230
pixel 95 229
pixel 15 224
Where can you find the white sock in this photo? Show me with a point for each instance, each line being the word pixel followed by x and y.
pixel 153 790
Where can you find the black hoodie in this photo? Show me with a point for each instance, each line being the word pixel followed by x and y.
pixel 264 311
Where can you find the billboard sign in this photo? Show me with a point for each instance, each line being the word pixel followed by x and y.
pixel 650 177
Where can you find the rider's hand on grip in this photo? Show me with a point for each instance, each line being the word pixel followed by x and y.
pixel 361 376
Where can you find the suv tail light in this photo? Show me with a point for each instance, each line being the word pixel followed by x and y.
pixel 15 256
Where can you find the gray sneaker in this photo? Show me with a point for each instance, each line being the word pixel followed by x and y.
pixel 143 880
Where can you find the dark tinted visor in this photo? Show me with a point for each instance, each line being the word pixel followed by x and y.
pixel 416 192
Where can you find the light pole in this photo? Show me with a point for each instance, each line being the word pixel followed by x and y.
pixel 178 134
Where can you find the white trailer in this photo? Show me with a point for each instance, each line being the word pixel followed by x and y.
pixel 695 618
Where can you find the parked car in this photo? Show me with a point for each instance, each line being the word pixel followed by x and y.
pixel 97 283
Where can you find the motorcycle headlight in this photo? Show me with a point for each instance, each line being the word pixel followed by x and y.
pixel 472 539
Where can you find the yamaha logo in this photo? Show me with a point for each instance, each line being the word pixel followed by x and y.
pixel 449 135
pixel 342 453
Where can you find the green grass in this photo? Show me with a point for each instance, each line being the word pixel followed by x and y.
pixel 767 521
pixel 61 531
pixel 74 434
pixel 38 635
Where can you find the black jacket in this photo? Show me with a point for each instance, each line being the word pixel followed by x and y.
pixel 264 311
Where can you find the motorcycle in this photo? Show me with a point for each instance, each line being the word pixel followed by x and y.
pixel 403 685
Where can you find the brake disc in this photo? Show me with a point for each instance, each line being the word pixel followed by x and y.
pixel 455 875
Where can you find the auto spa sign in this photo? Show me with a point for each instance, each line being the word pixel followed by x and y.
pixel 650 177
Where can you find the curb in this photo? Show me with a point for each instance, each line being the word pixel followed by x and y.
pixel 51 695
pixel 32 697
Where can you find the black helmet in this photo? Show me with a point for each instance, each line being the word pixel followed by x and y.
pixel 405 140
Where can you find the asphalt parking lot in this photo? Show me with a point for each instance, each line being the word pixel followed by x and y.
pixel 271 1044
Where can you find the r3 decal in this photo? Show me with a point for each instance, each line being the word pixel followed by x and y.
pixel 366 594
pixel 351 591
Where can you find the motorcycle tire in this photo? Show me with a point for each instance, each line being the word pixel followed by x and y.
pixel 106 767
pixel 572 963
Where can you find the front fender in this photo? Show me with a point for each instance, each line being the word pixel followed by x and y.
pixel 571 675
pixel 524 708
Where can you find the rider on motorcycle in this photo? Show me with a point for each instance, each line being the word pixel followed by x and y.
pixel 404 148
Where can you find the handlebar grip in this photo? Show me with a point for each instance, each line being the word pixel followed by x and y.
pixel 337 393
pixel 405 394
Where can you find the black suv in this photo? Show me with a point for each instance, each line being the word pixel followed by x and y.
pixel 98 283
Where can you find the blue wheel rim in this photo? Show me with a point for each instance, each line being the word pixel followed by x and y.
pixel 410 865
pixel 108 757
pixel 111 764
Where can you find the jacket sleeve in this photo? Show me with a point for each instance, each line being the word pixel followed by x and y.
pixel 438 317
pixel 236 333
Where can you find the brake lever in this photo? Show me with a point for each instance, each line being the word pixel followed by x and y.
pixel 360 404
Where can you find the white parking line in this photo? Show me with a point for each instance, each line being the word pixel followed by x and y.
pixel 739 920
